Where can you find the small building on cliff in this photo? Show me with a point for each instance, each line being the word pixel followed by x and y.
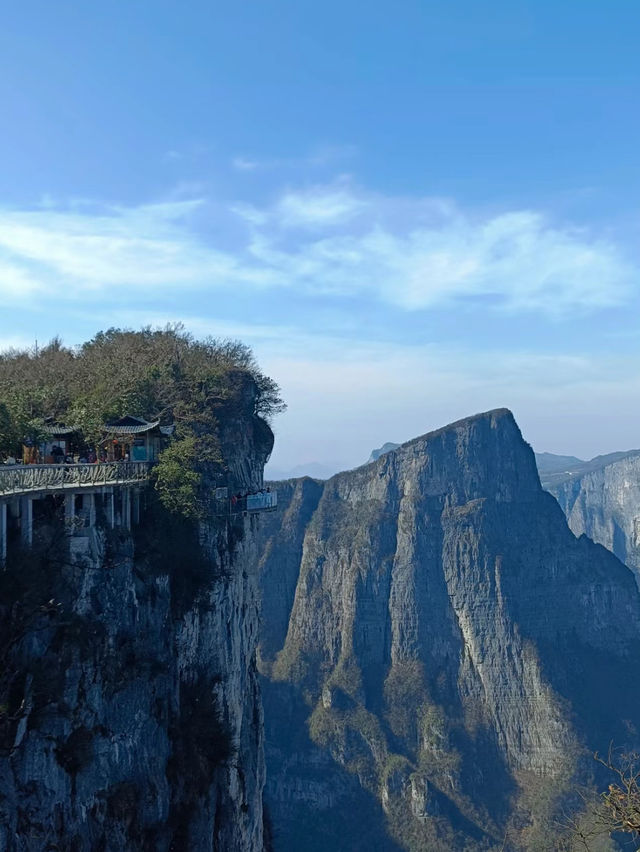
pixel 56 442
pixel 139 440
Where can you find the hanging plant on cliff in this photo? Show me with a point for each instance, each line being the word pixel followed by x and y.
pixel 176 479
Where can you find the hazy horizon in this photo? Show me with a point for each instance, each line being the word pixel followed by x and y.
pixel 330 466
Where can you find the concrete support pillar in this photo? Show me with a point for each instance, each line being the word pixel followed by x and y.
pixel 91 501
pixel 69 512
pixel 126 508
pixel 111 503
pixel 26 521
pixel 136 506
pixel 3 533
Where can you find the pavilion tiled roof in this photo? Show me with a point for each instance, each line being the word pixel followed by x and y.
pixel 130 426
pixel 58 430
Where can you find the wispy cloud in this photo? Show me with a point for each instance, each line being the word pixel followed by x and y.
pixel 416 255
pixel 324 239
pixel 323 155
pixel 244 164
pixel 317 208
pixel 144 248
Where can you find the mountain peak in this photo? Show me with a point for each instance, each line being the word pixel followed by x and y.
pixel 477 456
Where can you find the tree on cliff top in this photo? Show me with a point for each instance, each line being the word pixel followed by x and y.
pixel 159 374
pixel 155 373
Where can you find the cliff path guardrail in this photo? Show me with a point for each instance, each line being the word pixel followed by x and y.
pixel 260 502
pixel 23 479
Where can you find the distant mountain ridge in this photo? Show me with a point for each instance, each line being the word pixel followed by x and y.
pixel 316 470
pixel 552 463
pixel 600 496
pixel 555 469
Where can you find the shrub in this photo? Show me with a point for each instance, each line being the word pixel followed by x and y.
pixel 177 481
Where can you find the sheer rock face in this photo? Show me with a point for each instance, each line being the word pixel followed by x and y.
pixel 153 678
pixel 427 620
pixel 605 505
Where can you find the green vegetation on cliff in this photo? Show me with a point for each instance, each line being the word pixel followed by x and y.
pixel 163 375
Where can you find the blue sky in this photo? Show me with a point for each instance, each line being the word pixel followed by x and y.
pixel 412 211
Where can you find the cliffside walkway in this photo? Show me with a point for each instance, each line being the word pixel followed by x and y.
pixel 18 480
pixel 112 488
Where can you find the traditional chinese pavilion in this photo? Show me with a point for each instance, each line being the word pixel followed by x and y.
pixel 135 438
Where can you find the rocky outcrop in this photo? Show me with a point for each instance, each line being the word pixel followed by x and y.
pixel 385 448
pixel 436 647
pixel 604 503
pixel 133 717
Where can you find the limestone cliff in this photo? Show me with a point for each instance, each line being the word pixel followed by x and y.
pixel 604 503
pixel 132 716
pixel 437 649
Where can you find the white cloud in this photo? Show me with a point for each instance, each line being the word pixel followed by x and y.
pixel 317 208
pixel 323 155
pixel 244 164
pixel 250 214
pixel 80 252
pixel 416 256
pixel 329 239
pixel 16 283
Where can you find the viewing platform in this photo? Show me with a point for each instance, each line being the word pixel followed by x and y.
pixel 262 502
pixel 257 501
pixel 99 484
